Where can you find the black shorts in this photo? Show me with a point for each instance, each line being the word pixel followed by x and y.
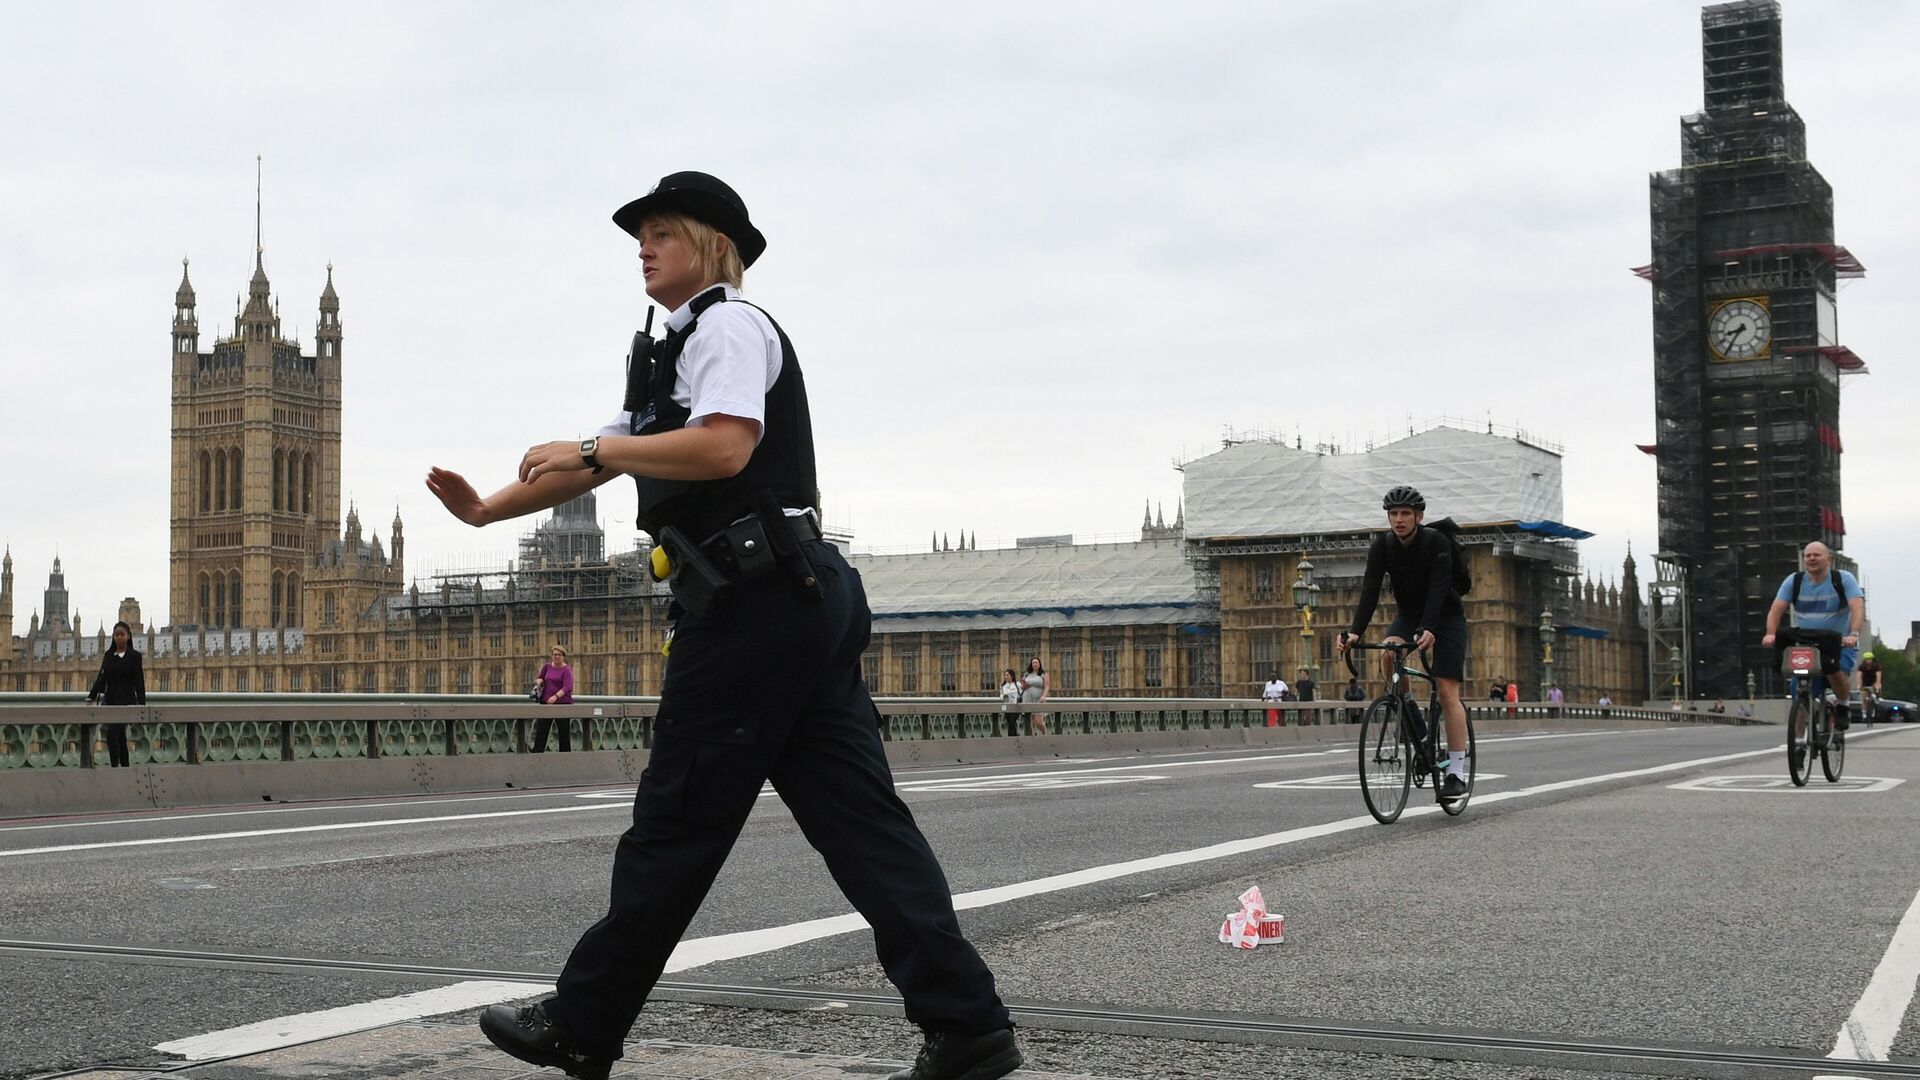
pixel 1449 644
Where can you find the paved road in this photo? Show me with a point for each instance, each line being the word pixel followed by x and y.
pixel 1607 885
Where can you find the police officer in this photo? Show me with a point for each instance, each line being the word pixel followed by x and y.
pixel 763 677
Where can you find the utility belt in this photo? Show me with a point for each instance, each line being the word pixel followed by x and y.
pixel 703 574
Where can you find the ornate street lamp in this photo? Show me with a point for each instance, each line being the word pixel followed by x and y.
pixel 1673 659
pixel 1306 597
pixel 1546 650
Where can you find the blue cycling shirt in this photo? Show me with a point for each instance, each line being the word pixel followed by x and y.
pixel 1821 606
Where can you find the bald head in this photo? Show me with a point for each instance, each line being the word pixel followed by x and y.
pixel 1817 557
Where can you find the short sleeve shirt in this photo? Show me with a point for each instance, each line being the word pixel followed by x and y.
pixel 726 367
pixel 1821 607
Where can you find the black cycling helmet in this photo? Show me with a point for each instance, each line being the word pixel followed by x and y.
pixel 1403 496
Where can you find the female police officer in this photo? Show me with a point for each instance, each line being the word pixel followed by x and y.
pixel 763 678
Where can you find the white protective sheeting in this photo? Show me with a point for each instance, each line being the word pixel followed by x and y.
pixel 1079 585
pixel 1255 489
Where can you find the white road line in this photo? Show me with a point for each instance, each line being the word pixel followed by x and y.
pixel 907 786
pixel 698 952
pixel 1870 1029
pixel 308 1027
pixel 137 817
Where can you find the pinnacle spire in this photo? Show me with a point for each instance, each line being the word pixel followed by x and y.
pixel 183 296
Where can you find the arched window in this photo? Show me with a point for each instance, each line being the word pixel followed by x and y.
pixel 233 598
pixel 238 482
pixel 293 600
pixel 206 481
pixel 306 483
pixel 332 610
pixel 293 468
pixel 220 480
pixel 279 590
pixel 279 479
pixel 219 601
pixel 206 600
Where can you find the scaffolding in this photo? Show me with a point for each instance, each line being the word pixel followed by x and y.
pixel 1747 449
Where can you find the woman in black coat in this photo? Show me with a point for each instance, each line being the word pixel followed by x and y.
pixel 121 682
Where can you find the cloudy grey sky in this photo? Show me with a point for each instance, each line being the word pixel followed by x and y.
pixel 1030 253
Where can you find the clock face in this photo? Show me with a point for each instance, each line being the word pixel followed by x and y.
pixel 1740 329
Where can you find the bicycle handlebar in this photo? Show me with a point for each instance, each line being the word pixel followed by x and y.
pixel 1399 648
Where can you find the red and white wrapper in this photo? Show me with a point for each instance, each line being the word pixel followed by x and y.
pixel 1251 925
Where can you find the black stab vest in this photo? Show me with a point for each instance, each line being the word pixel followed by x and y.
pixel 782 463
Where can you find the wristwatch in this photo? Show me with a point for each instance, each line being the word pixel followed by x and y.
pixel 589 447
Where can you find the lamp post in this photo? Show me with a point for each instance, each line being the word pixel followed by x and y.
pixel 1673 658
pixel 1306 597
pixel 1546 650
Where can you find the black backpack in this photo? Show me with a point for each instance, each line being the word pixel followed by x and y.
pixel 1462 576
pixel 1839 586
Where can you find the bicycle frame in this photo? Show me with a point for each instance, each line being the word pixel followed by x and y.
pixel 1428 767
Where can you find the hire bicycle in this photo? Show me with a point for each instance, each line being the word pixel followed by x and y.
pixel 1397 748
pixel 1810 727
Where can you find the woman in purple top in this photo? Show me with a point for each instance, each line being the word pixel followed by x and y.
pixel 556 688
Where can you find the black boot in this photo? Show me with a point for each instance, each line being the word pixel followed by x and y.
pixel 528 1034
pixel 948 1056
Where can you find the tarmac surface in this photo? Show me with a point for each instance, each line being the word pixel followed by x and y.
pixel 1656 901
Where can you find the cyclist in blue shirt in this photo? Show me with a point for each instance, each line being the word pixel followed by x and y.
pixel 1826 602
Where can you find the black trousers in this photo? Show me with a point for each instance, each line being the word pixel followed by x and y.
pixel 540 728
pixel 116 736
pixel 770 689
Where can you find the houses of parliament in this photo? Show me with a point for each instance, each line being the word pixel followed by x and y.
pixel 271 591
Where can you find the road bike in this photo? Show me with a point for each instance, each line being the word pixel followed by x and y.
pixel 1398 748
pixel 1810 727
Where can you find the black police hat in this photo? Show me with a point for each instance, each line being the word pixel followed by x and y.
pixel 703 198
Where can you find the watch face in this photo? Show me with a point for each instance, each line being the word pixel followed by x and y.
pixel 1740 329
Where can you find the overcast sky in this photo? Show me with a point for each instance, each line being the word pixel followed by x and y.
pixel 1030 254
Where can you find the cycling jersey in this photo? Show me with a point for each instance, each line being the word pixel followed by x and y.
pixel 1422 573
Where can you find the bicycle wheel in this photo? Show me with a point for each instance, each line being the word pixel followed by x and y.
pixel 1833 760
pixel 1454 808
pixel 1386 761
pixel 1799 740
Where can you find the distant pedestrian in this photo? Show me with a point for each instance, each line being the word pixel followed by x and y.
pixel 1556 695
pixel 1606 704
pixel 1010 695
pixel 1274 693
pixel 121 681
pixel 556 688
pixel 1353 692
pixel 1513 695
pixel 1033 690
pixel 1719 707
pixel 1303 686
pixel 1498 692
pixel 1746 710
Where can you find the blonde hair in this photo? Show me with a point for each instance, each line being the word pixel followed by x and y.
pixel 715 258
pixel 561 651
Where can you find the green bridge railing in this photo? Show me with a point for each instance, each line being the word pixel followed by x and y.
pixel 61 731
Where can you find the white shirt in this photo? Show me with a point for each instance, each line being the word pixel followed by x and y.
pixel 1275 689
pixel 725 368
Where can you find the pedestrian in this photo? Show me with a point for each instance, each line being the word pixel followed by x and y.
pixel 1513 695
pixel 1606 704
pixel 555 688
pixel 1273 694
pixel 1719 707
pixel 762 679
pixel 1303 686
pixel 1353 692
pixel 1034 687
pixel 122 681
pixel 1556 695
pixel 1499 690
pixel 1009 696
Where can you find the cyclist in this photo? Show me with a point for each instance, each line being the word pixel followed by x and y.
pixel 1826 604
pixel 1420 561
pixel 1869 687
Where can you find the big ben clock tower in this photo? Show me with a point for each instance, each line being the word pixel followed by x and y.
pixel 1747 358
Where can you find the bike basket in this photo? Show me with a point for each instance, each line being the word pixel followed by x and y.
pixel 1802 659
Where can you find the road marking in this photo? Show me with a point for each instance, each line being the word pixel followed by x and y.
pixel 328 1023
pixel 138 817
pixel 1346 781
pixel 1870 1029
pixel 1773 782
pixel 699 952
pixel 906 786
pixel 1032 783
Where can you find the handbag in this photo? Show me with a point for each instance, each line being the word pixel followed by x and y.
pixel 538 683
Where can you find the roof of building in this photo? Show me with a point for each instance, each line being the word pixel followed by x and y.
pixel 1149 582
pixel 1255 489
